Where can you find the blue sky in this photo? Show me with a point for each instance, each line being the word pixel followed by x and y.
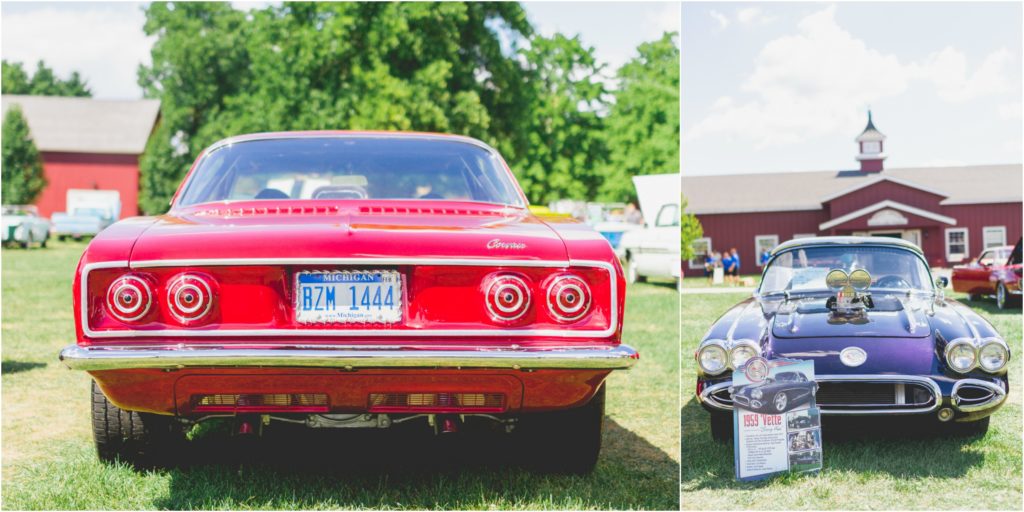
pixel 786 86
pixel 104 40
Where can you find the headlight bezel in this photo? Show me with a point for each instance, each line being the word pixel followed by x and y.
pixel 724 357
pixel 957 344
pixel 737 347
pixel 997 344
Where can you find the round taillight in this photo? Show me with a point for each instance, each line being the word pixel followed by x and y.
pixel 189 297
pixel 508 298
pixel 129 298
pixel 568 298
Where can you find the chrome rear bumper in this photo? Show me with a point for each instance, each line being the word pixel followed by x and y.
pixel 97 358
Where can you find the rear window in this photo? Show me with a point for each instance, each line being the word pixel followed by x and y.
pixel 351 167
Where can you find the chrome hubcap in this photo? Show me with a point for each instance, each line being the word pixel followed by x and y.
pixel 780 402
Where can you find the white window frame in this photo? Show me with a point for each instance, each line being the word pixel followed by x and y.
pixel 984 234
pixel 757 246
pixel 700 265
pixel 967 245
pixel 803 235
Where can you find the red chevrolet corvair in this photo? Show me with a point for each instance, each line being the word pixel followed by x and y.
pixel 350 280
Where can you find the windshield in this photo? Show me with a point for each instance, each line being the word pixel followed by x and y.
pixel 352 167
pixel 804 269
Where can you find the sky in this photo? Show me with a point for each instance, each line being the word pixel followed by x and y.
pixel 774 87
pixel 104 40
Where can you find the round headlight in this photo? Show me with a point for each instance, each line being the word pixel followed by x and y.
pixel 741 354
pixel 757 393
pixel 961 357
pixel 712 359
pixel 992 357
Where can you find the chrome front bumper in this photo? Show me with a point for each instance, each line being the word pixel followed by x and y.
pixel 996 395
pixel 348 357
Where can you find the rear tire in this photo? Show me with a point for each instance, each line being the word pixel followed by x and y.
pixel 972 297
pixel 721 427
pixel 1002 298
pixel 140 439
pixel 566 441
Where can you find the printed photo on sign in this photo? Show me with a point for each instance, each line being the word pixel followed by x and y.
pixel 776 422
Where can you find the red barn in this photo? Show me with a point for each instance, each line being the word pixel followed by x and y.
pixel 952 213
pixel 88 144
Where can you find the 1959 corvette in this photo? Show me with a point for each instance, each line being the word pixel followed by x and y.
pixel 883 338
pixel 341 279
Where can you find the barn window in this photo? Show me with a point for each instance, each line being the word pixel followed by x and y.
pixel 956 245
pixel 994 236
pixel 701 248
pixel 764 243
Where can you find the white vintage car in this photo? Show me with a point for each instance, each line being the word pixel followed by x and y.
pixel 654 250
pixel 23 225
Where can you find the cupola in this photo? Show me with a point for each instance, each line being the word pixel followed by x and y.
pixel 872 148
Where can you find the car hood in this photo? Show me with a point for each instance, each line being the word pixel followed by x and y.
pixel 310 229
pixel 906 336
pixel 890 343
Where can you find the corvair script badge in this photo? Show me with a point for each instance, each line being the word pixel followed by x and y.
pixel 498 244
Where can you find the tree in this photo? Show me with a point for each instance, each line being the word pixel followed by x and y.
pixel 42 83
pixel 564 130
pixel 382 66
pixel 642 129
pixel 22 173
pixel 690 230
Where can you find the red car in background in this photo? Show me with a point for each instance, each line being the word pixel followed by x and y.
pixel 996 271
pixel 341 280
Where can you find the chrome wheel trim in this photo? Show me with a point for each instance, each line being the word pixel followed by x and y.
pixel 1001 296
pixel 780 401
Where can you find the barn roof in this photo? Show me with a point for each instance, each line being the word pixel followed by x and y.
pixel 789 191
pixel 86 125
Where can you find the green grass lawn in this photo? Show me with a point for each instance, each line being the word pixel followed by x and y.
pixel 861 470
pixel 49 461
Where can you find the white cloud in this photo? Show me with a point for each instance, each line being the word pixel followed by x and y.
pixel 1011 110
pixel 947 70
pixel 665 18
pixel 723 20
pixel 819 81
pixel 105 44
pixel 753 16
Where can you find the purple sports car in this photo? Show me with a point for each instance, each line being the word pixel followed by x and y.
pixel 883 338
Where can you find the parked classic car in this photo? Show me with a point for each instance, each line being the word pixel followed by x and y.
pixel 654 250
pixel 898 349
pixel 23 225
pixel 996 271
pixel 89 212
pixel 340 279
pixel 776 395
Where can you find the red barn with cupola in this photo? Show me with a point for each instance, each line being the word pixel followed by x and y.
pixel 952 213
pixel 89 144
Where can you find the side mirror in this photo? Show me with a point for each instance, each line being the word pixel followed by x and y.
pixel 941 282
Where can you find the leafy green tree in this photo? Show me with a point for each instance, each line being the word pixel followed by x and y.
pixel 382 66
pixel 643 125
pixel 690 230
pixel 565 127
pixel 42 83
pixel 22 173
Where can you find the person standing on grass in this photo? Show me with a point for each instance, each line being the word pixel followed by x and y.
pixel 735 266
pixel 727 266
pixel 765 256
pixel 709 266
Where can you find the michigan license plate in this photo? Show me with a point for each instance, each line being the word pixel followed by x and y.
pixel 349 297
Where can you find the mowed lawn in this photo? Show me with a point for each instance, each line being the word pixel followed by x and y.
pixel 49 461
pixel 862 469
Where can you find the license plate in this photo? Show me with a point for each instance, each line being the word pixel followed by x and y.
pixel 348 297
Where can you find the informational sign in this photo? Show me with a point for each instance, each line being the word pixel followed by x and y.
pixel 777 424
